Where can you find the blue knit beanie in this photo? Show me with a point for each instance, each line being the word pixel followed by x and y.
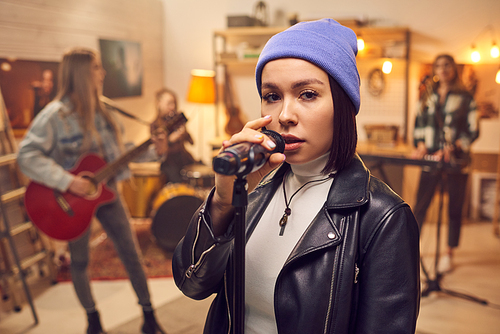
pixel 325 43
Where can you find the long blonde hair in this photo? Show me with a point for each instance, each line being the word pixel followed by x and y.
pixel 76 83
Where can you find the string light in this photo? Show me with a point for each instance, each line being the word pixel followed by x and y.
pixel 494 51
pixel 497 78
pixel 475 56
pixel 387 67
pixel 361 44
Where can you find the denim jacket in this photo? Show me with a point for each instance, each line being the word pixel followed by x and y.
pixel 52 145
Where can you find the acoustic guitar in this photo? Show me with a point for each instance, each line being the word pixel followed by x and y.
pixel 65 216
pixel 234 123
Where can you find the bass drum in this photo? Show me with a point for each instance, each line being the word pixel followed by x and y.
pixel 173 208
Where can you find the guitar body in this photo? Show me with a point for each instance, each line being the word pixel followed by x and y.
pixel 65 216
pixel 234 124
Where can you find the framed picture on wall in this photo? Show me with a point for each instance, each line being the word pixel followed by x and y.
pixel 27 86
pixel 122 61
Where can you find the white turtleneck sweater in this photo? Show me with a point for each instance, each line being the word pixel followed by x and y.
pixel 267 251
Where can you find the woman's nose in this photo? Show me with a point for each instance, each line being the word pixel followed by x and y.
pixel 288 115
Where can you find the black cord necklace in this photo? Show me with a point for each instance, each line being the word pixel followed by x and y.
pixel 288 211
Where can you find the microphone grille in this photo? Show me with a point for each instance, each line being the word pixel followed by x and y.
pixel 278 140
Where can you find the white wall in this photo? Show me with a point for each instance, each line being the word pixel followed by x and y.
pixel 437 26
pixel 44 30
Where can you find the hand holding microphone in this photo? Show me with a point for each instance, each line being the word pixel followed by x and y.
pixel 244 158
pixel 247 151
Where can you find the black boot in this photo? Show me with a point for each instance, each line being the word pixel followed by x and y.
pixel 94 323
pixel 150 325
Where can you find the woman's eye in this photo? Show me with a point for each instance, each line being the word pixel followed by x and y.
pixel 271 97
pixel 308 95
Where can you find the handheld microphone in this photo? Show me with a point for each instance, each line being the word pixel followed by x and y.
pixel 425 79
pixel 244 158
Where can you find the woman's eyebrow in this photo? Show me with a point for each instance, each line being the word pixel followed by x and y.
pixel 269 85
pixel 306 82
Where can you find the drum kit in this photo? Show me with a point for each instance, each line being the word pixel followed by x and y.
pixel 172 205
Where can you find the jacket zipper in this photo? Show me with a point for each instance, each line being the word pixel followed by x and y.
pixel 192 268
pixel 230 320
pixel 332 284
pixel 330 302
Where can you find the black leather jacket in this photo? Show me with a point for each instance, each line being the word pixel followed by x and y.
pixel 355 269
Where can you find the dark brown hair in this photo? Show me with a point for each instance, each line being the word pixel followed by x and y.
pixel 456 85
pixel 345 134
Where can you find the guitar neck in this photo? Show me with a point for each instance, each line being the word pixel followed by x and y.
pixel 114 166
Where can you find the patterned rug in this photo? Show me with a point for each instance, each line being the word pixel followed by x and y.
pixel 104 261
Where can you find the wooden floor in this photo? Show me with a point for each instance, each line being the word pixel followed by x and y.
pixel 477 275
pixel 476 279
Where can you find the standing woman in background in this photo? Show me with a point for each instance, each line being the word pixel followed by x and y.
pixel 330 248
pixel 445 126
pixel 74 123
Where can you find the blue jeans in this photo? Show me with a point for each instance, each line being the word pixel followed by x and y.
pixel 115 222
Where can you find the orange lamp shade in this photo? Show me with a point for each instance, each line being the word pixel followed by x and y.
pixel 202 87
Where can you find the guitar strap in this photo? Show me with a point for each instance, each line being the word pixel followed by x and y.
pixel 109 103
pixel 108 108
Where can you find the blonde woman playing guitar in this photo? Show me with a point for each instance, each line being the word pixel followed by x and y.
pixel 65 152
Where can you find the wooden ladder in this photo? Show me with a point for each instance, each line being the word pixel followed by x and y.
pixel 21 246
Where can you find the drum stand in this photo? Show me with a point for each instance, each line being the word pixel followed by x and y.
pixel 240 200
pixel 434 284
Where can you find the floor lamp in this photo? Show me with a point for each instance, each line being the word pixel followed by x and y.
pixel 201 90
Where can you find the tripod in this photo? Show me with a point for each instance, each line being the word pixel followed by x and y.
pixel 433 284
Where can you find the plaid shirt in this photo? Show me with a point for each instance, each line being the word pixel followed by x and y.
pixel 437 124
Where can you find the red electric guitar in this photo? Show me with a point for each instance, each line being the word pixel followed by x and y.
pixel 65 216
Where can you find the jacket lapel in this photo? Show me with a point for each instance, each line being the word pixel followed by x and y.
pixel 322 232
pixel 326 229
pixel 350 186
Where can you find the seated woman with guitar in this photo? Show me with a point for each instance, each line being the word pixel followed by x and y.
pixel 64 153
pixel 177 156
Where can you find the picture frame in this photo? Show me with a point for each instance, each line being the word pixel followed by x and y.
pixel 27 87
pixel 122 61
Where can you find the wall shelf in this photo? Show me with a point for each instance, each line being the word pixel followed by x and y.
pixel 231 45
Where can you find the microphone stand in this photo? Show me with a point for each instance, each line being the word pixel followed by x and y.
pixel 110 103
pixel 434 284
pixel 240 200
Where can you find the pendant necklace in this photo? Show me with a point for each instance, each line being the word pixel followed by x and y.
pixel 288 211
